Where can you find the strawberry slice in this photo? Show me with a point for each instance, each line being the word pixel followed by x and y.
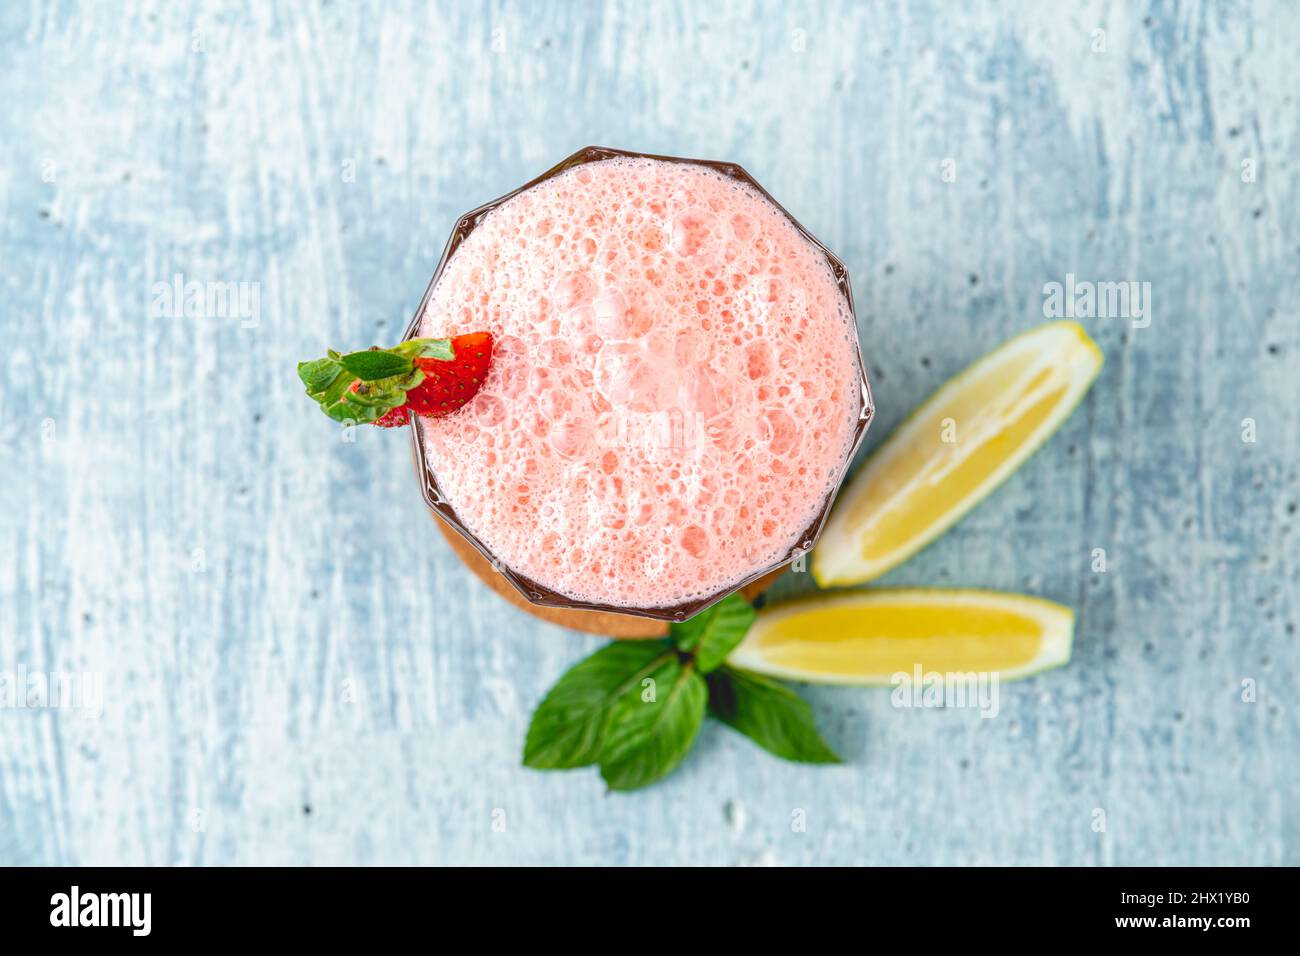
pixel 449 385
pixel 393 418
pixel 431 377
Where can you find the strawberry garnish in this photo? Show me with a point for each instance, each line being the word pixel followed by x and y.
pixel 430 377
pixel 449 385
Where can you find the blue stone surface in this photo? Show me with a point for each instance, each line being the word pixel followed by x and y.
pixel 296 670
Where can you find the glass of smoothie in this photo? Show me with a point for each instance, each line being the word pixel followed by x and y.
pixel 675 393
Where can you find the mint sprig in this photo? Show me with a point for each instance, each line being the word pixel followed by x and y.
pixel 386 374
pixel 635 708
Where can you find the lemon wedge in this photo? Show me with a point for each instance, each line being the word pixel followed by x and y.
pixel 866 637
pixel 953 450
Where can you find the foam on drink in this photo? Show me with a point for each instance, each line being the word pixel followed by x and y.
pixel 673 389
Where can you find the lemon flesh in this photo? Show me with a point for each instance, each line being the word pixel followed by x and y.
pixel 866 637
pixel 955 449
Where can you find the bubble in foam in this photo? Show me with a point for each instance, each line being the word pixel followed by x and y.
pixel 622 453
pixel 695 541
pixel 556 353
pixel 692 230
pixel 615 317
pixel 780 431
pixel 570 435
pixel 489 410
pixel 572 290
pixel 632 377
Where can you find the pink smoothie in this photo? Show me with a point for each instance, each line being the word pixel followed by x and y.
pixel 673 392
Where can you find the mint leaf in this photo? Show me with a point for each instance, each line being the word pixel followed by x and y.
pixel 374 364
pixel 714 633
pixel 768 713
pixel 569 726
pixel 654 726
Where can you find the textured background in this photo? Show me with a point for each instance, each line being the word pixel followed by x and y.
pixel 296 669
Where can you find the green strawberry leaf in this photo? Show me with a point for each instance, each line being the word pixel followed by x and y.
pixel 375 364
pixel 768 713
pixel 431 348
pixel 568 728
pixel 318 375
pixel 334 391
pixel 714 633
pixel 654 727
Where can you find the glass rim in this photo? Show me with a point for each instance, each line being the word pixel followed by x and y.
pixel 539 594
